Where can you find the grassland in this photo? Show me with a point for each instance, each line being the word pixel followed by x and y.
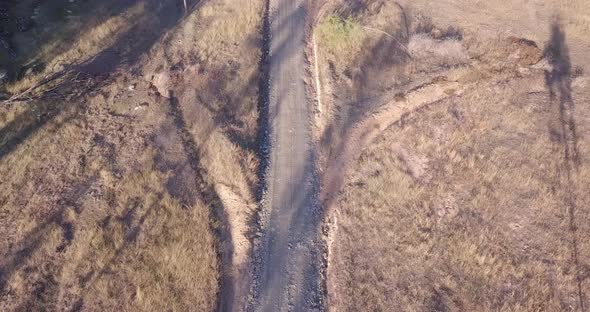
pixel 472 201
pixel 129 181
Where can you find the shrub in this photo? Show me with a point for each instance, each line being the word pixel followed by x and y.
pixel 341 35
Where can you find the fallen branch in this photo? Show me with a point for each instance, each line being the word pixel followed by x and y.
pixel 47 79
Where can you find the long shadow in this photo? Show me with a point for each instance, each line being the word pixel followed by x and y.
pixel 298 251
pixel 130 238
pixel 50 28
pixel 53 104
pixel 230 117
pixel 307 225
pixel 46 24
pixel 559 84
pixel 36 237
pixel 210 198
pixel 294 196
pixel 385 54
pixel 263 142
pixel 12 261
pixel 10 137
pixel 95 73
pixel 263 133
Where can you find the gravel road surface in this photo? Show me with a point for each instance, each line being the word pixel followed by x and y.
pixel 288 261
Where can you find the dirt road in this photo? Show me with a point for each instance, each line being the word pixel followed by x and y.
pixel 288 259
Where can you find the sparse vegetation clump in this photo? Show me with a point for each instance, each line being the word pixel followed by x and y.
pixel 343 37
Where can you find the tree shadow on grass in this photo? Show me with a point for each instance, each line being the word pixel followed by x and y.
pixel 131 234
pixel 559 84
pixel 51 28
pixel 77 81
pixel 13 261
pixel 386 53
pixel 31 30
pixel 210 198
pixel 64 103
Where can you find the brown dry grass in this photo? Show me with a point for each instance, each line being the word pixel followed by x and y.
pixel 465 207
pixel 74 41
pixel 115 197
pixel 476 202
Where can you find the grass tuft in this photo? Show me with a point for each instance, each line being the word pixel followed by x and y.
pixel 341 36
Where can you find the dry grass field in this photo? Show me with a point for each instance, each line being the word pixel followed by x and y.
pixel 466 184
pixel 453 141
pixel 122 173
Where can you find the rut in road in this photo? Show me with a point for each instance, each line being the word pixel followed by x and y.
pixel 288 259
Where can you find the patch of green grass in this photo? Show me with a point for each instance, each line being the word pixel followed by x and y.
pixel 341 36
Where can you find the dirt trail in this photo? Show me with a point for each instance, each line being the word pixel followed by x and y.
pixel 370 127
pixel 288 261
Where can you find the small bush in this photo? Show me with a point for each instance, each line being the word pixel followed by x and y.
pixel 341 35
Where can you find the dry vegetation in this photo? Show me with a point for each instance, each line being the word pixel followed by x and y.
pixel 119 185
pixel 473 201
pixel 341 36
pixel 64 34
